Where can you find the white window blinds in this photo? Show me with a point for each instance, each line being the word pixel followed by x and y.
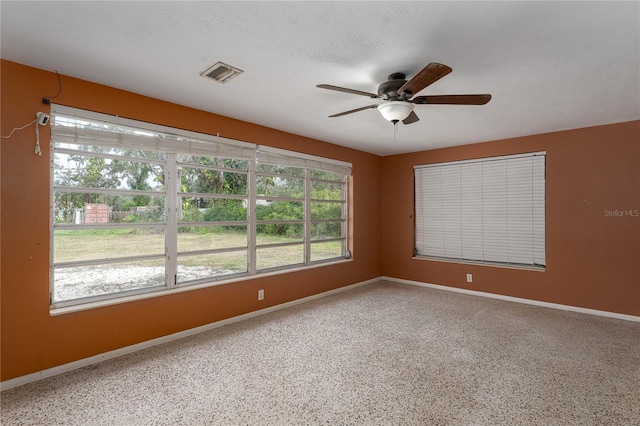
pixel 490 210
pixel 75 126
pixel 275 156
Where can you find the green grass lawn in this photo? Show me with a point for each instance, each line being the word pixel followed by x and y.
pixel 76 245
pixel 105 244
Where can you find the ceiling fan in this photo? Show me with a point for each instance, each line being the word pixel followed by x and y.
pixel 397 93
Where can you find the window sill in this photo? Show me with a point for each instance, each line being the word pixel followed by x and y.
pixel 181 289
pixel 477 263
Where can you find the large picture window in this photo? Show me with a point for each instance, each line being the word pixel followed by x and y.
pixel 140 208
pixel 490 210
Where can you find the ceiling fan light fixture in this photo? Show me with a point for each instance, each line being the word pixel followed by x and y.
pixel 395 111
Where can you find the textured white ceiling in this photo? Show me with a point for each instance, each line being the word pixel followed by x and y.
pixel 549 65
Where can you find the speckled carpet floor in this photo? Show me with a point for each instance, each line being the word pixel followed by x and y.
pixel 381 354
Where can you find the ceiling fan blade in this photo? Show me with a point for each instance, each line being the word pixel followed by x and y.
pixel 344 89
pixel 452 99
pixel 412 118
pixel 353 110
pixel 427 76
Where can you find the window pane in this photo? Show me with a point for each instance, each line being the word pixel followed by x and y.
pixel 81 208
pixel 326 190
pixel 125 152
pixel 326 230
pixel 198 209
pixel 280 170
pixel 207 181
pixel 107 243
pixel 328 250
pixel 280 210
pixel 274 257
pixel 283 187
pixel 321 211
pixel 196 267
pixel 97 280
pixel 98 172
pixel 201 160
pixel 276 233
pixel 321 174
pixel 192 204
pixel 193 238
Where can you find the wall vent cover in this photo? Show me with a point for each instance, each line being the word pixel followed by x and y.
pixel 221 73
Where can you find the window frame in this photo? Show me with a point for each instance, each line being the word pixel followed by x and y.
pixel 201 144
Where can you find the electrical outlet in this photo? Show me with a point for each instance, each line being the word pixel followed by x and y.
pixel 261 294
pixel 469 278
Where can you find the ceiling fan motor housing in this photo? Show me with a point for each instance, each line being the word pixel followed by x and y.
pixel 389 89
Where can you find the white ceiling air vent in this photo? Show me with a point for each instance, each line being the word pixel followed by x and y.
pixel 221 72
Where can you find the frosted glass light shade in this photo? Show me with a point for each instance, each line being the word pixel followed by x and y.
pixel 395 111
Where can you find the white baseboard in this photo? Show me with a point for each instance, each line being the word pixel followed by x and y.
pixel 18 381
pixel 54 371
pixel 519 300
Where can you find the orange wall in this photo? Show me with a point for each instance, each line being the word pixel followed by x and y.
pixel 32 340
pixel 593 260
